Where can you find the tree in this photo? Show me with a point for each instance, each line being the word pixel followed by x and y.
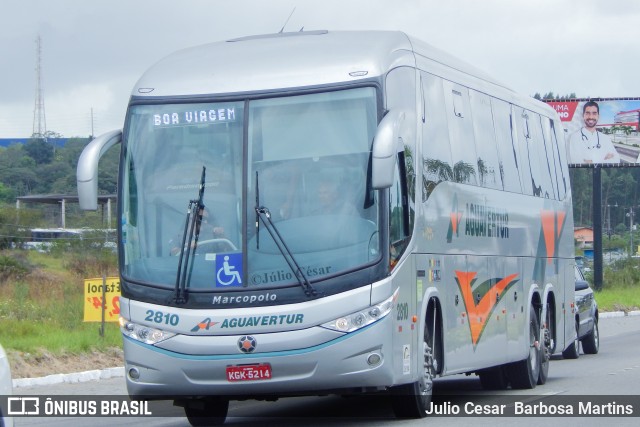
pixel 39 150
pixel 108 172
pixel 549 96
pixel 56 173
pixel 7 194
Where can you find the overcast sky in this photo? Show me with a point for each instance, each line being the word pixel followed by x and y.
pixel 93 51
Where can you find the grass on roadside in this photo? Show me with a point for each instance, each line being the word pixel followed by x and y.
pixel 42 307
pixel 618 299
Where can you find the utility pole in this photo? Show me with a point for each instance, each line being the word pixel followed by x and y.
pixel 597 228
pixel 630 215
pixel 609 229
pixel 39 118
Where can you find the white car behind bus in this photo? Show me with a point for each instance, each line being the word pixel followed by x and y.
pixel 5 387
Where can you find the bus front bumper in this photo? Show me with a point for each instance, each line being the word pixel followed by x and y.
pixel 359 361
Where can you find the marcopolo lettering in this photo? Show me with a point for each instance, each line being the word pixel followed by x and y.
pixel 275 320
pixel 244 299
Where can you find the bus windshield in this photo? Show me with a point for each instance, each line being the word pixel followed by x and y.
pixel 303 159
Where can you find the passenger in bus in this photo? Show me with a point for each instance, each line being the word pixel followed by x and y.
pixel 205 228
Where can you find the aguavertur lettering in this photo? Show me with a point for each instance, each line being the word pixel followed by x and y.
pixel 244 322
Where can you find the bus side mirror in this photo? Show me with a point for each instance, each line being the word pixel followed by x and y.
pixel 385 150
pixel 87 171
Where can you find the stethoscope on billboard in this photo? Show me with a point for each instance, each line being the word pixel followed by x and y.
pixel 586 138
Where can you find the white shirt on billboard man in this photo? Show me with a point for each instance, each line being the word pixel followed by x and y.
pixel 588 145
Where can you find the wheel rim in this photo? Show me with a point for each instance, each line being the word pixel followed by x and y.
pixel 547 345
pixel 535 343
pixel 596 334
pixel 426 383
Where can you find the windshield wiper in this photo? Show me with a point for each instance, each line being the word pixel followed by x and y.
pixel 189 242
pixel 257 214
pixel 263 214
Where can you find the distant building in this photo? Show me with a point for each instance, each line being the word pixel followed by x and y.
pixel 628 118
pixel 584 235
pixel 5 142
pixel 62 199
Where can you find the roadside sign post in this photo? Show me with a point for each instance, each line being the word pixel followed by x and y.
pixel 103 305
pixel 102 301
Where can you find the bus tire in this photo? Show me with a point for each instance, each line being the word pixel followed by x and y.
pixel 206 412
pixel 524 374
pixel 494 378
pixel 591 342
pixel 547 344
pixel 412 400
pixel 573 351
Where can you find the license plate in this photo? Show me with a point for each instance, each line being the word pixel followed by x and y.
pixel 260 371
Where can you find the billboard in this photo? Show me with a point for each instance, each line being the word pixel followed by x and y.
pixel 601 130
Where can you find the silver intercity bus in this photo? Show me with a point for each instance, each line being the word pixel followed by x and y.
pixel 335 212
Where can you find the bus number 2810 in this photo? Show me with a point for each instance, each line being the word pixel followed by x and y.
pixel 160 317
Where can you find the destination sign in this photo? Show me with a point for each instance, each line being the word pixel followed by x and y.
pixel 195 117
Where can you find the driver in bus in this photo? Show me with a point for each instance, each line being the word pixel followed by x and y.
pixel 206 229
pixel 330 201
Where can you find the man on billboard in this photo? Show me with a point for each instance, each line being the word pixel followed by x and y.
pixel 587 145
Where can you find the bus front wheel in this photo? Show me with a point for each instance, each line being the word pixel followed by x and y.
pixel 412 400
pixel 206 412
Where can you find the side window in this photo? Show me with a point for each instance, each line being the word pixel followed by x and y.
pixel 550 155
pixel 485 138
pixel 507 153
pixel 399 231
pixel 436 152
pixel 401 94
pixel 521 136
pixel 558 148
pixel 540 173
pixel 461 133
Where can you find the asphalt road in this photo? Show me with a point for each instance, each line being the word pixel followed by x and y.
pixel 604 377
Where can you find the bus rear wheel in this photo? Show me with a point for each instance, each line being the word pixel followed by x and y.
pixel 524 374
pixel 547 344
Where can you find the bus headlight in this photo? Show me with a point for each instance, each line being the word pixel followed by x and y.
pixel 362 318
pixel 142 333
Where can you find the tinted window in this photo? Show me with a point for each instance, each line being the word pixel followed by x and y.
pixel 436 150
pixel 508 164
pixel 485 139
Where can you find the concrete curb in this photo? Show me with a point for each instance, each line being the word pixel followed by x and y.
pixel 76 377
pixel 98 374
pixel 612 314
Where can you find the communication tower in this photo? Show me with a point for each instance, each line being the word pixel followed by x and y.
pixel 39 118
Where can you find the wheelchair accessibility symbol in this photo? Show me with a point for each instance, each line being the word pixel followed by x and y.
pixel 228 270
